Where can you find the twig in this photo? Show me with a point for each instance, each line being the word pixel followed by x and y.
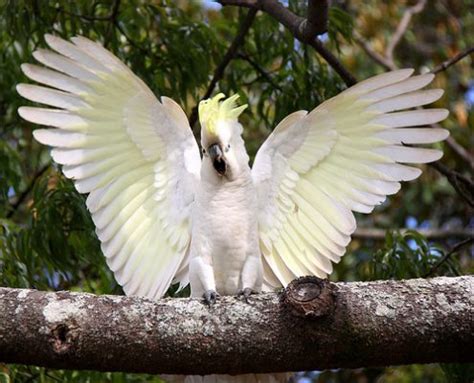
pixel 130 40
pixel 455 249
pixel 229 55
pixel 29 188
pixel 264 74
pixel 438 234
pixel 375 56
pixel 113 21
pixel 463 185
pixel 109 17
pixel 402 28
pixel 453 60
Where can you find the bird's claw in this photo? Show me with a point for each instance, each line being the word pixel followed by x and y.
pixel 245 294
pixel 210 297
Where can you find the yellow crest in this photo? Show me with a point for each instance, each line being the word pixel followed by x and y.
pixel 212 110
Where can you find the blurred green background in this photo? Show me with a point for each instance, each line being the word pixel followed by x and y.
pixel 47 239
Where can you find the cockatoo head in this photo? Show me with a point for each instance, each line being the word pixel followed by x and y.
pixel 221 140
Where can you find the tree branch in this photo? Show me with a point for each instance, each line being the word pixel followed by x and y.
pixel 379 234
pixel 229 55
pixel 460 150
pixel 298 26
pixel 313 325
pixel 317 21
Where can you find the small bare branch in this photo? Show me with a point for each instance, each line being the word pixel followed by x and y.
pixel 458 149
pixel 453 60
pixel 375 56
pixel 110 17
pixel 402 28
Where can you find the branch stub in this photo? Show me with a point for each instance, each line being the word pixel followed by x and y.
pixel 309 297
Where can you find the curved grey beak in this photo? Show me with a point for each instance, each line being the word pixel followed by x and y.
pixel 217 158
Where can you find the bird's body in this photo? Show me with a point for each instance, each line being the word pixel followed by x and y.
pixel 225 236
pixel 165 214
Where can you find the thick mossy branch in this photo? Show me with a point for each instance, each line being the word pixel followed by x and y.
pixel 339 325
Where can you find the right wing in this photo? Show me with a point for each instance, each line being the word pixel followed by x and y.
pixel 346 155
pixel 136 157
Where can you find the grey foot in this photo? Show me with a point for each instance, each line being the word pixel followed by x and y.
pixel 245 294
pixel 210 297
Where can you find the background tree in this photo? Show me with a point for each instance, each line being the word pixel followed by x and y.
pixel 188 51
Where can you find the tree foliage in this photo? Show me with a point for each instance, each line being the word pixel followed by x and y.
pixel 47 238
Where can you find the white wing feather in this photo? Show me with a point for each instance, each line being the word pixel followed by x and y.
pixel 136 157
pixel 316 168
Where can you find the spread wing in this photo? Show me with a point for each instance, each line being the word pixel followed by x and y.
pixel 346 155
pixel 135 156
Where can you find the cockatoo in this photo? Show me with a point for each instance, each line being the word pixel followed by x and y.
pixel 164 214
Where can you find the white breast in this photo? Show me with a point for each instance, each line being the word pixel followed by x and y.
pixel 225 229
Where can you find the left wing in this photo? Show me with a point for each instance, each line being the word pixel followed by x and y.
pixel 316 168
pixel 135 156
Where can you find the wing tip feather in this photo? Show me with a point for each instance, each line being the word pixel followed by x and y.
pixel 26 68
pixel 51 39
pixel 21 89
pixel 24 111
pixel 437 94
pixel 41 135
pixel 444 113
pixel 405 71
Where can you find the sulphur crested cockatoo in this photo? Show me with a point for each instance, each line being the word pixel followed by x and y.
pixel 163 214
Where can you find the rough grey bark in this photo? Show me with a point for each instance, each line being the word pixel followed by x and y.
pixel 312 325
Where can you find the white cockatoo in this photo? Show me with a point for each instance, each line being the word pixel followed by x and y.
pixel 165 215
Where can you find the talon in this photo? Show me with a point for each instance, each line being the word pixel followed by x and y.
pixel 210 297
pixel 245 294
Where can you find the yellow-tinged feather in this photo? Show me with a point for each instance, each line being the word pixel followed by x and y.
pixel 213 111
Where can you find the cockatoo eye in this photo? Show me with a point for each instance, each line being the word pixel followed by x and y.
pixel 227 148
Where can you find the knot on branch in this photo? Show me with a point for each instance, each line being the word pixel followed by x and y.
pixel 63 337
pixel 309 297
